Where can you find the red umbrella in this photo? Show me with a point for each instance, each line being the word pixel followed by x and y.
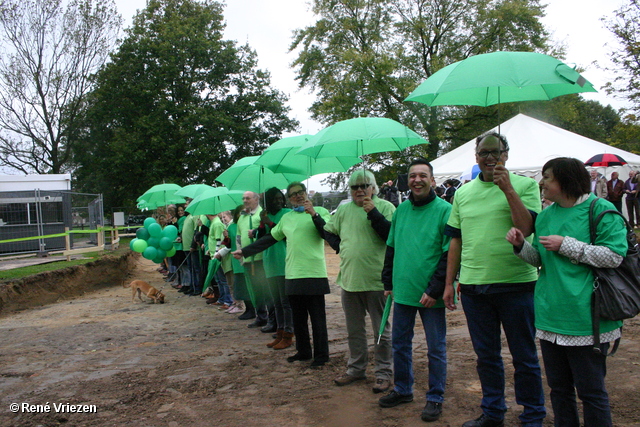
pixel 606 160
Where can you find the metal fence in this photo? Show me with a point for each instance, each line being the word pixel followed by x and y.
pixel 36 221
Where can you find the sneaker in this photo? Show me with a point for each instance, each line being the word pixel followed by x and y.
pixel 394 399
pixel 484 421
pixel 347 379
pixel 234 310
pixel 431 411
pixel 381 385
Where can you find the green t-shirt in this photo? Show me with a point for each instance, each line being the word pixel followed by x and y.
pixel 361 248
pixel 481 212
pixel 274 256
pixel 305 246
pixel 246 223
pixel 563 292
pixel 237 266
pixel 188 230
pixel 417 236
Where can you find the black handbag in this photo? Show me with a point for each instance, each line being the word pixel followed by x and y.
pixel 616 291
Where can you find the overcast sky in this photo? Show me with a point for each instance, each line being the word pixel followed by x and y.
pixel 267 26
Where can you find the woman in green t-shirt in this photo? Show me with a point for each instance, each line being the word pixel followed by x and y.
pixel 562 298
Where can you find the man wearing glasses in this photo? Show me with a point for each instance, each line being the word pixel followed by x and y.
pixel 358 232
pixel 496 287
pixel 414 270
pixel 306 281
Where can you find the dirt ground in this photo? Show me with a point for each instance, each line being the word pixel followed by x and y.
pixel 184 363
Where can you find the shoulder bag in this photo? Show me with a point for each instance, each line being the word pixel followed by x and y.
pixel 616 291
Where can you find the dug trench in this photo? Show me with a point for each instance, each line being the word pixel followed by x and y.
pixel 73 337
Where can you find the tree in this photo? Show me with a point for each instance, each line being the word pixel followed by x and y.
pixel 363 57
pixel 625 25
pixel 50 52
pixel 177 103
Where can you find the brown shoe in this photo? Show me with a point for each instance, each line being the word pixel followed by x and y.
pixel 285 342
pixel 381 385
pixel 347 379
pixel 279 333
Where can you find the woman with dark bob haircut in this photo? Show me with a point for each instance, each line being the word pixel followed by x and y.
pixel 562 298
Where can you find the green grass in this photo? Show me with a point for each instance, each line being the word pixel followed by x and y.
pixel 19 273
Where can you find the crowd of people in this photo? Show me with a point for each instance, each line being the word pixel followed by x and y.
pixel 481 246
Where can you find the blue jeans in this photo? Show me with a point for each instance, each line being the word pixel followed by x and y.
pixel 514 310
pixel 223 287
pixel 571 368
pixel 435 330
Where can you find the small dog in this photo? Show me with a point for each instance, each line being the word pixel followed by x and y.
pixel 141 287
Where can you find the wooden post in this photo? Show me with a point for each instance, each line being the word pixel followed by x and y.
pixel 67 241
pixel 100 238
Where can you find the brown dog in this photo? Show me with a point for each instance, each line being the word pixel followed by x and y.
pixel 141 287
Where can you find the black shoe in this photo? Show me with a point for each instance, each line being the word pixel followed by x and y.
pixel 394 399
pixel 249 314
pixel 269 327
pixel 297 356
pixel 431 411
pixel 185 289
pixel 257 323
pixel 484 421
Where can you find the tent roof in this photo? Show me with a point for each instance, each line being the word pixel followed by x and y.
pixel 531 144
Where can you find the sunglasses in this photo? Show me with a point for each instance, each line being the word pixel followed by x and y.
pixel 360 187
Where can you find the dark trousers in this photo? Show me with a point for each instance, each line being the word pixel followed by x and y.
pixel 633 211
pixel 618 205
pixel 304 307
pixel 571 368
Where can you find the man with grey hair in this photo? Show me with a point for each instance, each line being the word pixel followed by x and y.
pixel 358 232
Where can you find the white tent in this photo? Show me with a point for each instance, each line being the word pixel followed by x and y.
pixel 531 144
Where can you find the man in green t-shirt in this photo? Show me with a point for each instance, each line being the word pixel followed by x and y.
pixel 414 270
pixel 358 232
pixel 496 287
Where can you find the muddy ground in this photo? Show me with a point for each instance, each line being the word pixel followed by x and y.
pixel 184 363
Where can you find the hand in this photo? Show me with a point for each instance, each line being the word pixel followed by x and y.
pixel 448 297
pixel 387 293
pixel 501 178
pixel 551 243
pixel 427 301
pixel 308 207
pixel 225 233
pixel 217 256
pixel 250 234
pixel 264 216
pixel 237 254
pixel 367 204
pixel 515 237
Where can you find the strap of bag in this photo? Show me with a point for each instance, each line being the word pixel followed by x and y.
pixel 595 296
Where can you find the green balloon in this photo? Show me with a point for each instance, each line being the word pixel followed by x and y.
pixel 166 243
pixel 139 245
pixel 170 232
pixel 131 243
pixel 149 221
pixel 155 230
pixel 157 260
pixel 154 241
pixel 171 252
pixel 150 253
pixel 142 233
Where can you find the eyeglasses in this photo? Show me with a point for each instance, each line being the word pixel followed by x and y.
pixel 360 187
pixel 297 193
pixel 493 153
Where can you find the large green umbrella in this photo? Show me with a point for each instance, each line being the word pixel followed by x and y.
pixel 159 195
pixel 193 190
pixel 360 136
pixel 282 157
pixel 499 77
pixel 247 176
pixel 214 201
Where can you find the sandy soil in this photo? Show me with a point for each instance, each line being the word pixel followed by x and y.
pixel 185 363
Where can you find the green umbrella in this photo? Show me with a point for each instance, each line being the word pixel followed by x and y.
pixel 281 157
pixel 159 195
pixel 500 77
pixel 212 267
pixel 360 136
pixel 385 316
pixel 193 190
pixel 215 200
pixel 247 176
